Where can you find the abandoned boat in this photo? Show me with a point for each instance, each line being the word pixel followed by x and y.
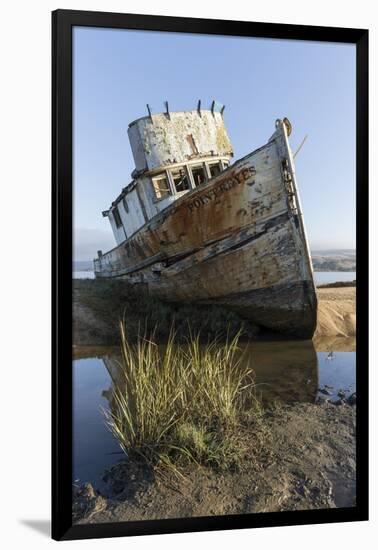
pixel 195 228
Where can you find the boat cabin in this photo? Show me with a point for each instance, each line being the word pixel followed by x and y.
pixel 174 152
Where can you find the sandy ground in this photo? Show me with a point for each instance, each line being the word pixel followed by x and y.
pixel 307 462
pixel 336 313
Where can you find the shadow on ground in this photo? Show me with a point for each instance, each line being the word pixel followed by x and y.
pixel 42 526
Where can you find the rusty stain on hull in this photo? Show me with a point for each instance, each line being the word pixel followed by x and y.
pixel 238 240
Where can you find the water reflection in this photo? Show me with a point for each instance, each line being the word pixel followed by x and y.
pixel 285 371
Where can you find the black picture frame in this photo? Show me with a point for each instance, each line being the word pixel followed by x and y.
pixel 62 23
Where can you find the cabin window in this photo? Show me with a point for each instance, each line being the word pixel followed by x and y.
pixel 161 186
pixel 214 169
pixel 117 217
pixel 180 179
pixel 125 205
pixel 199 175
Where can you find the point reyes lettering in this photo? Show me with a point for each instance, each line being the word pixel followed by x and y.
pixel 222 187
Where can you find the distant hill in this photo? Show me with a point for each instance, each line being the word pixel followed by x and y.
pixel 334 260
pixel 336 252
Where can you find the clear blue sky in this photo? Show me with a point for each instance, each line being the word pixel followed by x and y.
pixel 116 72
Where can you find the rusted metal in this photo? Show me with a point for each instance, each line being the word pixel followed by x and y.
pixel 237 240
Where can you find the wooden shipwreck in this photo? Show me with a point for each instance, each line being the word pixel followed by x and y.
pixel 195 228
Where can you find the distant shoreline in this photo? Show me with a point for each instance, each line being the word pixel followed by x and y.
pixel 322 278
pixel 343 260
pixel 338 284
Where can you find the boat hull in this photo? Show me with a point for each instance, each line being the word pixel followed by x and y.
pixel 238 241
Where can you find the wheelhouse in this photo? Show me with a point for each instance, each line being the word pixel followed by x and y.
pixel 174 153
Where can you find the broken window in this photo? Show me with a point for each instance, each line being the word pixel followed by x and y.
pixel 199 175
pixel 180 179
pixel 215 169
pixel 125 205
pixel 161 186
pixel 117 217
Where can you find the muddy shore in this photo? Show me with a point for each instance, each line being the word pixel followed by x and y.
pixel 307 461
pixel 98 306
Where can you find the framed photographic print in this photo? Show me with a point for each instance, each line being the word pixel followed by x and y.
pixel 210 245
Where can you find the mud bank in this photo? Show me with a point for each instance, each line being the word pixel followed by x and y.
pixel 98 306
pixel 307 462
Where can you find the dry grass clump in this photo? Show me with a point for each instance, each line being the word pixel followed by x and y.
pixel 182 403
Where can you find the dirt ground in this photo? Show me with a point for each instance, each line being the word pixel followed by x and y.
pixel 307 462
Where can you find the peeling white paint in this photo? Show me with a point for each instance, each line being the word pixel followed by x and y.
pixel 161 144
pixel 162 140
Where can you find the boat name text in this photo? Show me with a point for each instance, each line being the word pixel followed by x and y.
pixel 236 179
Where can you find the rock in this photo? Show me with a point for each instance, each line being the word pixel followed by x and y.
pixel 117 486
pixel 341 394
pixel 325 391
pixel 322 400
pixel 86 501
pixel 352 399
pixel 340 402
